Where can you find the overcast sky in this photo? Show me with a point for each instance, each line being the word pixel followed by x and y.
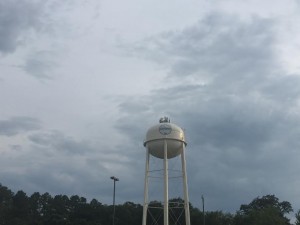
pixel 82 81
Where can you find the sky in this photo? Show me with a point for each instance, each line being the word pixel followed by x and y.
pixel 82 81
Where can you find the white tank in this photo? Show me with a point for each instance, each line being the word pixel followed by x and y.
pixel 170 132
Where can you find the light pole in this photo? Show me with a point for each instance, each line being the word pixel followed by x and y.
pixel 114 179
pixel 203 209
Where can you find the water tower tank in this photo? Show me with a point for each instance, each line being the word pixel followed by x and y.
pixel 170 132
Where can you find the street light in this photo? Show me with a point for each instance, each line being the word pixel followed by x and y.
pixel 203 209
pixel 114 179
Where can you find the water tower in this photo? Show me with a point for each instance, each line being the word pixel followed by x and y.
pixel 165 141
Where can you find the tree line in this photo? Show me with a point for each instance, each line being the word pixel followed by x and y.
pixel 44 209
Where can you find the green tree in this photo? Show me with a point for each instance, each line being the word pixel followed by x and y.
pixel 129 213
pixel 218 218
pixel 60 210
pixel 20 210
pixel 297 215
pixel 6 202
pixel 267 201
pixel 196 216
pixel 81 212
pixel 35 208
pixel 266 210
pixel 46 208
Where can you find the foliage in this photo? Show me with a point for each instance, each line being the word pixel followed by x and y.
pixel 297 215
pixel 43 209
pixel 218 218
pixel 266 210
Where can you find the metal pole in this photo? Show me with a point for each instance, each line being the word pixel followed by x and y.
pixel 166 185
pixel 114 213
pixel 114 206
pixel 145 207
pixel 185 187
pixel 203 209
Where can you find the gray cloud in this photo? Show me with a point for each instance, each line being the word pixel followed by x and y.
pixel 60 164
pixel 57 141
pixel 239 111
pixel 218 42
pixel 224 86
pixel 17 18
pixel 40 64
pixel 16 125
pixel 19 22
pixel 44 23
pixel 94 159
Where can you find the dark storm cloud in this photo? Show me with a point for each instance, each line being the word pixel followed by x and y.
pixel 240 113
pixel 17 18
pixel 16 125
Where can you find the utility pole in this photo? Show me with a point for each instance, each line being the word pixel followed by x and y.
pixel 203 209
pixel 114 212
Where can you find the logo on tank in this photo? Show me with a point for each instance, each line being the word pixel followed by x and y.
pixel 165 129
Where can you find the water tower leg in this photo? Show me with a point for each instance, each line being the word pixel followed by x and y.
pixel 145 207
pixel 185 187
pixel 166 185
